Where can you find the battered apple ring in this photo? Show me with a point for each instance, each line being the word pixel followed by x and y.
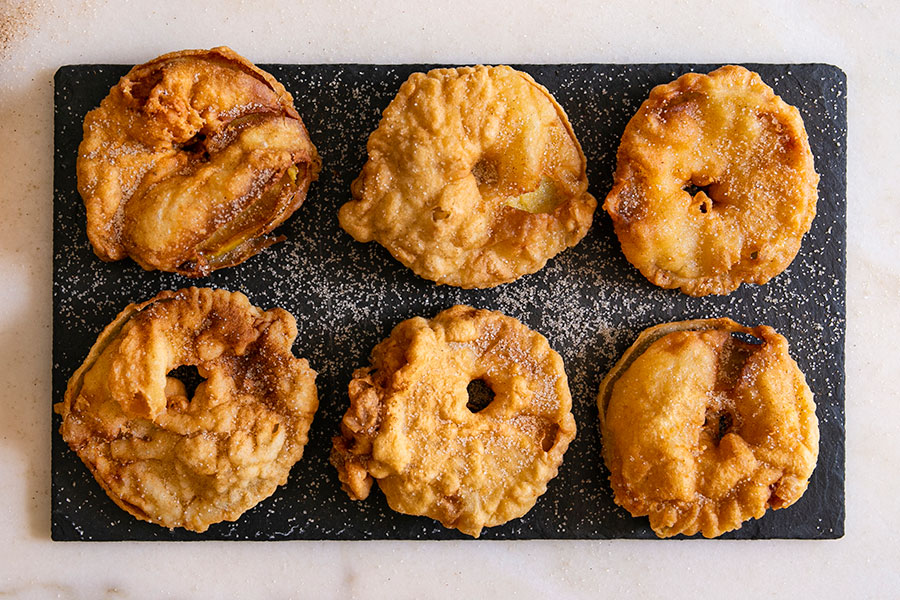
pixel 474 178
pixel 191 462
pixel 728 134
pixel 190 161
pixel 409 427
pixel 702 431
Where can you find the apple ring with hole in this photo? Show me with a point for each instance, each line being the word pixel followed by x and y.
pixel 191 161
pixel 705 425
pixel 191 460
pixel 474 178
pixel 411 425
pixel 715 184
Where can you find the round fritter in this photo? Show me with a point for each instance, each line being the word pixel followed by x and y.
pixel 182 461
pixel 715 184
pixel 409 426
pixel 190 161
pixel 474 178
pixel 702 430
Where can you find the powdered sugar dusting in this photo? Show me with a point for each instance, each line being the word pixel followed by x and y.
pixel 588 302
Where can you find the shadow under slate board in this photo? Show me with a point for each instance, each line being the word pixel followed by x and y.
pixel 588 301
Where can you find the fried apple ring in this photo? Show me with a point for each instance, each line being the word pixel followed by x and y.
pixel 474 178
pixel 191 462
pixel 702 430
pixel 409 427
pixel 728 134
pixel 190 161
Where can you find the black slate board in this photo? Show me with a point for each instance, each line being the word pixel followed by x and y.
pixel 589 302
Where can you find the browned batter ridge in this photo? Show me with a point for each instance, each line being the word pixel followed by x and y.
pixel 410 426
pixel 703 430
pixel 715 184
pixel 474 178
pixel 192 159
pixel 190 461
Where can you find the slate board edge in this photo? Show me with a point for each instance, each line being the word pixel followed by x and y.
pixel 838 531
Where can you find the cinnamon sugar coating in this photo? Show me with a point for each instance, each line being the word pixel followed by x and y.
pixel 474 178
pixel 190 161
pixel 408 426
pixel 182 461
pixel 702 430
pixel 714 185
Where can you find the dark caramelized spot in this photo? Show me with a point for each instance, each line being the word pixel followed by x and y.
pixel 141 89
pixel 725 423
pixel 749 343
pixel 632 203
pixel 222 138
pixel 685 104
pixel 774 500
pixel 738 347
pixel 485 172
pixel 786 142
pixel 450 507
pixel 480 395
pixel 718 423
pixel 197 146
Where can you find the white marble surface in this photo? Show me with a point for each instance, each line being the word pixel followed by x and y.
pixel 860 37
